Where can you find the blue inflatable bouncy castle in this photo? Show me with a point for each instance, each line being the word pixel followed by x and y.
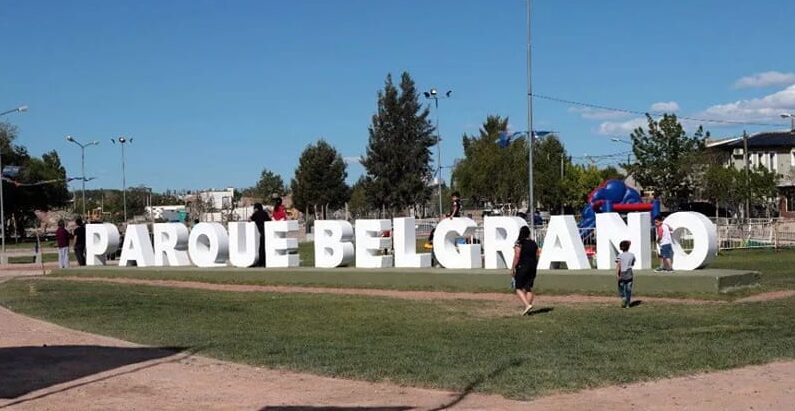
pixel 613 196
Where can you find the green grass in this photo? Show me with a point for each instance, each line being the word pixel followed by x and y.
pixel 777 266
pixel 46 257
pixel 446 344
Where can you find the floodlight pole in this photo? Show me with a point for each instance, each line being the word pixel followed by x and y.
pixel 82 165
pixel 3 258
pixel 530 131
pixel 434 95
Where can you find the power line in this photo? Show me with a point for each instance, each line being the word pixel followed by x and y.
pixel 643 113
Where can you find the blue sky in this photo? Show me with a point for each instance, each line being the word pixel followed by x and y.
pixel 214 91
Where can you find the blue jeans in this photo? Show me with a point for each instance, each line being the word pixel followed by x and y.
pixel 625 290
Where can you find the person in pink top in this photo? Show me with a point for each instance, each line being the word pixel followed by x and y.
pixel 279 212
pixel 62 238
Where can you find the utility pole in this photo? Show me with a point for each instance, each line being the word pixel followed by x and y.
pixel 530 131
pixel 747 174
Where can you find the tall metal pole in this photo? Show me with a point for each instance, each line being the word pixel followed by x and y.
pixel 747 179
pixel 83 170
pixel 124 178
pixel 530 131
pixel 438 154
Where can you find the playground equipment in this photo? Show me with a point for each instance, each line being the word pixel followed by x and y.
pixel 613 196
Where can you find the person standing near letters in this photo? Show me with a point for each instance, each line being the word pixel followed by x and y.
pixel 259 217
pixel 666 246
pixel 62 238
pixel 279 212
pixel 523 269
pixel 80 241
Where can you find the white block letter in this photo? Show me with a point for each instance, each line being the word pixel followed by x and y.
pixel 370 241
pixel 444 244
pixel 404 240
pixel 208 245
pixel 243 243
pixel 499 237
pixel 563 244
pixel 101 240
pixel 281 251
pixel 137 247
pixel 611 231
pixel 705 240
pixel 171 244
pixel 333 246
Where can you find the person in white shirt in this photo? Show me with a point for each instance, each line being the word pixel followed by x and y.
pixel 666 247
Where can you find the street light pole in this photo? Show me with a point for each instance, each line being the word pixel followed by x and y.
pixel 530 131
pixel 83 164
pixel 790 116
pixel 3 260
pixel 434 95
pixel 123 141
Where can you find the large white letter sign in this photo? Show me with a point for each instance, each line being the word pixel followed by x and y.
pixel 137 247
pixel 281 251
pixel 705 240
pixel 101 240
pixel 243 243
pixel 333 246
pixel 208 245
pixel 444 244
pixel 499 236
pixel 563 244
pixel 611 231
pixel 171 244
pixel 404 241
pixel 370 241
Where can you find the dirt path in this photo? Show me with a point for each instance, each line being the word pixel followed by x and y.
pixel 44 366
pixel 409 295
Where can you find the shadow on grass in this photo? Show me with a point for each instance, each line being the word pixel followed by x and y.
pixel 541 311
pixel 27 369
pixel 636 303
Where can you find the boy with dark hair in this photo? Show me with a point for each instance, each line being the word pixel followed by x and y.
pixel 624 263
pixel 455 208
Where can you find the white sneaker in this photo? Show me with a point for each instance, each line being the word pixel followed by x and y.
pixel 527 310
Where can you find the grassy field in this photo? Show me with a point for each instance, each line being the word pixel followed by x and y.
pixel 775 266
pixel 450 344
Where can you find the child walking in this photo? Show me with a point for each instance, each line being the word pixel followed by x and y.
pixel 624 263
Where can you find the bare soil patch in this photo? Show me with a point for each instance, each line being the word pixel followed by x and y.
pixel 409 295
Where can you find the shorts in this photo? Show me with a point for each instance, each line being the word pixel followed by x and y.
pixel 666 251
pixel 525 278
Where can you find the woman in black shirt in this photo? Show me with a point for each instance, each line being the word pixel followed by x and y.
pixel 524 268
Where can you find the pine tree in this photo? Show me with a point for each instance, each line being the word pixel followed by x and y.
pixel 319 180
pixel 397 162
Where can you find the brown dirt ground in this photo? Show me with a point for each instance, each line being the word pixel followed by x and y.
pixel 45 366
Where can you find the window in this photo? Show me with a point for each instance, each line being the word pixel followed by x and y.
pixel 772 161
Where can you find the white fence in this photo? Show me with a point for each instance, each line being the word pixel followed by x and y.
pixel 732 234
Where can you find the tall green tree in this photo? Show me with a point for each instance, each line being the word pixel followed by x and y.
pixel 269 184
pixel 731 188
pixel 397 161
pixel 490 172
pixel 42 180
pixel 667 159
pixel 319 181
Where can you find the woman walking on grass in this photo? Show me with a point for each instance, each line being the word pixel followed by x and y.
pixel 524 268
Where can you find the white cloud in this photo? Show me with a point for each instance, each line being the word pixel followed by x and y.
pixel 764 108
pixel 613 128
pixel 766 79
pixel 665 107
pixel 598 114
